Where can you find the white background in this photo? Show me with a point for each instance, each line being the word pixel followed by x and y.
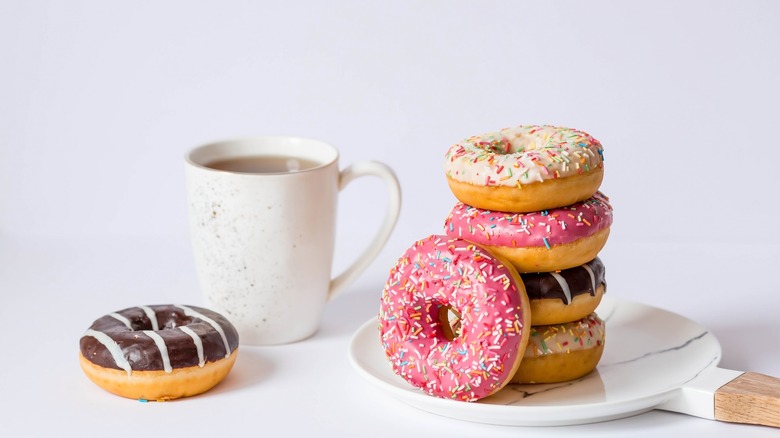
pixel 99 101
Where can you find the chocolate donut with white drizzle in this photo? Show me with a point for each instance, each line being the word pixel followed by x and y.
pixel 566 295
pixel 158 352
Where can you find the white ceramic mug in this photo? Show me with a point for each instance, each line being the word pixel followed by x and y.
pixel 264 242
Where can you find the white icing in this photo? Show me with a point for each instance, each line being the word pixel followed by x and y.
pixel 564 285
pixel 592 276
pixel 152 317
pixel 121 319
pixel 160 342
pixel 582 334
pixel 523 155
pixel 190 312
pixel 198 344
pixel 113 348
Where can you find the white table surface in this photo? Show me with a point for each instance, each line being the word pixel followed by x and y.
pixel 100 100
pixel 55 288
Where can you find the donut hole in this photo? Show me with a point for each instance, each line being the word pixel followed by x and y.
pixel 450 321
pixel 524 142
pixel 513 143
pixel 177 319
pixel 165 321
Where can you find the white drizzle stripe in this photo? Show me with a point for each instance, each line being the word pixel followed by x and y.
pixel 113 348
pixel 592 277
pixel 217 327
pixel 564 286
pixel 152 317
pixel 198 344
pixel 122 319
pixel 160 342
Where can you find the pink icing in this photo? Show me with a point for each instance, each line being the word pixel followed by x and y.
pixel 545 228
pixel 439 271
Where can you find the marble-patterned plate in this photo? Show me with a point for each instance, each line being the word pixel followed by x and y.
pixel 653 359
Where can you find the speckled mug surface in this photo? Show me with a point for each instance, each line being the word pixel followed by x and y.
pixel 251 232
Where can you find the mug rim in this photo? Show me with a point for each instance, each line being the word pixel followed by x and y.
pixel 243 144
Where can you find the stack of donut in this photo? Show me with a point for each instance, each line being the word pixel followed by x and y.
pixel 508 293
pixel 530 194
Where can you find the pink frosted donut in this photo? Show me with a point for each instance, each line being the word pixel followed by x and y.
pixel 549 240
pixel 439 276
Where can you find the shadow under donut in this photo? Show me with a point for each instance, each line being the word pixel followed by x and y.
pixel 250 369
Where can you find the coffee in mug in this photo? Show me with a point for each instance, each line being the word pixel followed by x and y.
pixel 264 164
pixel 263 222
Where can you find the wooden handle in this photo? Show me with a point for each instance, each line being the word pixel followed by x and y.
pixel 751 398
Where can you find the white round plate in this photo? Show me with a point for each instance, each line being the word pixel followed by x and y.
pixel 649 354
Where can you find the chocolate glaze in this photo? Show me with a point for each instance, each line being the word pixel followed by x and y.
pixel 543 285
pixel 140 350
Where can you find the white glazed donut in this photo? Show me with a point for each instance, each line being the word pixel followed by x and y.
pixel 525 168
pixel 562 352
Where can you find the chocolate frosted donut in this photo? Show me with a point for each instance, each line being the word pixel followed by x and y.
pixel 567 295
pixel 159 352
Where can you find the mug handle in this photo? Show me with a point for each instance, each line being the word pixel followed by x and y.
pixel 352 172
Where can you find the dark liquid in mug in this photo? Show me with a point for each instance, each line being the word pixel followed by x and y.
pixel 264 164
